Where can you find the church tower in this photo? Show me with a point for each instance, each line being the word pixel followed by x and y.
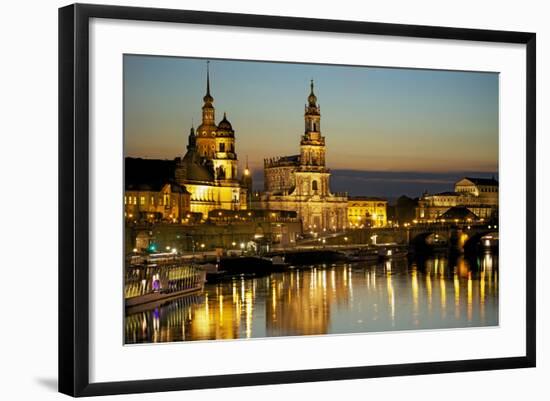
pixel 225 159
pixel 312 176
pixel 312 145
pixel 309 194
pixel 206 132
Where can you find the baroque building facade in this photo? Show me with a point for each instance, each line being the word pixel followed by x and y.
pixel 478 195
pixel 302 182
pixel 168 202
pixel 209 169
pixel 367 211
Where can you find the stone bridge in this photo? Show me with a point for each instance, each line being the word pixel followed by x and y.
pixel 463 237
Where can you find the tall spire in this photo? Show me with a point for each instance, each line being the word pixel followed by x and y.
pixel 208 99
pixel 208 77
pixel 312 99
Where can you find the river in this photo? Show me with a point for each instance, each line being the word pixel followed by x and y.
pixel 433 293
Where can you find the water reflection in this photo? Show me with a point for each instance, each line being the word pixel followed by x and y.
pixel 324 299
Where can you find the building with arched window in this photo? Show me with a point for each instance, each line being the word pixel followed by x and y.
pixel 367 211
pixel 166 202
pixel 478 195
pixel 302 182
pixel 209 168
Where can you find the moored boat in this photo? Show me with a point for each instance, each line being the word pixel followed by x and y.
pixel 389 252
pixel 361 255
pixel 156 277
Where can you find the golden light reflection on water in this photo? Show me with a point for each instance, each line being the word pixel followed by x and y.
pixel 443 290
pixel 470 297
pixel 329 299
pixel 456 283
pixel 391 295
pixel 414 289
pixel 429 290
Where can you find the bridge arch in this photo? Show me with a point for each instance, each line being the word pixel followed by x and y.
pixel 429 237
pixel 474 240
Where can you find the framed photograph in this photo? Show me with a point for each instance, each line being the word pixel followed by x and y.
pixel 211 210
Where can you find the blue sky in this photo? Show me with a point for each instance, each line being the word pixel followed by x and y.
pixel 374 119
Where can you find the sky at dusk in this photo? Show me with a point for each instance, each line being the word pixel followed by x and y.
pixel 388 131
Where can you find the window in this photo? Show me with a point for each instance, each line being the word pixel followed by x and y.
pixel 314 185
pixel 222 147
pixel 152 200
pixel 124 199
pixel 142 200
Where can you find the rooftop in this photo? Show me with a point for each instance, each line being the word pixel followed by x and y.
pixel 458 212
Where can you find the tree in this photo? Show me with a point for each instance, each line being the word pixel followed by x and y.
pixel 405 209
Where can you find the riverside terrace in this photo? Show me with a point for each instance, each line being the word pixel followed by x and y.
pixel 223 229
pixel 285 233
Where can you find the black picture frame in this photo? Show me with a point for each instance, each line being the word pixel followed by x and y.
pixel 74 198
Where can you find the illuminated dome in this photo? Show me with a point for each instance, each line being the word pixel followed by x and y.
pixel 224 124
pixel 192 169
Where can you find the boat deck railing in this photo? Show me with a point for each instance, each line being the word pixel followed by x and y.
pixel 161 277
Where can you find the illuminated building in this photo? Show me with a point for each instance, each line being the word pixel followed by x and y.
pixel 364 211
pixel 169 202
pixel 478 195
pixel 484 189
pixel 209 168
pixel 302 182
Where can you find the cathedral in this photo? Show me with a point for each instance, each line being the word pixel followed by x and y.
pixel 301 182
pixel 209 168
